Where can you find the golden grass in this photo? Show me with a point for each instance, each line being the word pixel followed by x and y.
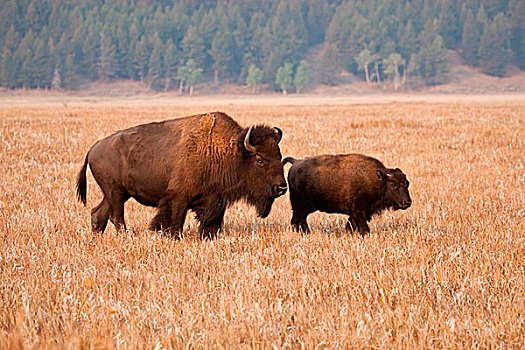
pixel 448 272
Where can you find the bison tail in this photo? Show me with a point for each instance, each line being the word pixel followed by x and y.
pixel 288 160
pixel 82 183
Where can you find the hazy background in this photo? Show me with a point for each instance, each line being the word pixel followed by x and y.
pixel 253 46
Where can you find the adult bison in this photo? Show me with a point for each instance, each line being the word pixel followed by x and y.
pixel 201 163
pixel 351 184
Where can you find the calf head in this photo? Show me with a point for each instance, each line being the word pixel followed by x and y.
pixel 396 188
pixel 263 169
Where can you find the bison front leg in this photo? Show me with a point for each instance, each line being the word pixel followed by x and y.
pixel 170 217
pixel 211 217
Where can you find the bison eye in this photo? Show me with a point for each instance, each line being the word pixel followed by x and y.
pixel 260 162
pixel 394 185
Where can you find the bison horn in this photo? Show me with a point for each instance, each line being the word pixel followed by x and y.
pixel 279 134
pixel 249 147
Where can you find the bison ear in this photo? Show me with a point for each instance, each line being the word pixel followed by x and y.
pixel 279 134
pixel 380 175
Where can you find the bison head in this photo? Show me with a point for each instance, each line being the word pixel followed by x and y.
pixel 263 170
pixel 396 188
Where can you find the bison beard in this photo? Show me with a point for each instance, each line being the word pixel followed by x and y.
pixel 262 204
pixel 202 163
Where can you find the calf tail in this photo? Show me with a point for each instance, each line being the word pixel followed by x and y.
pixel 288 160
pixel 82 182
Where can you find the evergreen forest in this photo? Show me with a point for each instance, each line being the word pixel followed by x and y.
pixel 287 44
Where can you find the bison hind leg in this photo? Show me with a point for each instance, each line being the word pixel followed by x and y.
pixel 358 222
pixel 100 216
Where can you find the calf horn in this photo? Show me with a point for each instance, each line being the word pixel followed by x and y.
pixel 279 134
pixel 247 143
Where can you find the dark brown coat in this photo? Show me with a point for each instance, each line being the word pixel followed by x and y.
pixel 201 163
pixel 351 184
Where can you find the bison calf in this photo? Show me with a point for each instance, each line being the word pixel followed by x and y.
pixel 201 163
pixel 351 184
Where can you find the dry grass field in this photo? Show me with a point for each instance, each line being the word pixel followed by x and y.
pixel 449 272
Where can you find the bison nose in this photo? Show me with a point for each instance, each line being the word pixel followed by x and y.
pixel 279 190
pixel 407 203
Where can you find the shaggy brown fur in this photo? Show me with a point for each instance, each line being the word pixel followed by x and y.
pixel 197 163
pixel 351 184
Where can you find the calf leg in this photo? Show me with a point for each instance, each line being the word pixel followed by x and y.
pixel 362 225
pixel 299 223
pixel 99 216
pixel 296 222
pixel 304 225
pixel 300 212
pixel 351 224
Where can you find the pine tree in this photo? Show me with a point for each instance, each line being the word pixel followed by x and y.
pixel 43 64
pixel 141 58
pixel 193 46
pixel 223 52
pixel 7 71
pixel 494 47
pixel 24 58
pixel 408 40
pixel 107 64
pixel 318 18
pixel 449 23
pixel 90 46
pixel 470 40
pixel 431 59
pixel 482 20
pixel 494 7
pixel 517 29
pixel 70 77
pixel 12 39
pixel 171 60
pixel 156 64
pixel 328 69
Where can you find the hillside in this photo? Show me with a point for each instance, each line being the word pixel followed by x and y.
pixel 175 45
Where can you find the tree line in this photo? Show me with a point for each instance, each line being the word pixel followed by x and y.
pixel 287 44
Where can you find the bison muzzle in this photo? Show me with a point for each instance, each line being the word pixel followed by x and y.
pixel 202 163
pixel 352 184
